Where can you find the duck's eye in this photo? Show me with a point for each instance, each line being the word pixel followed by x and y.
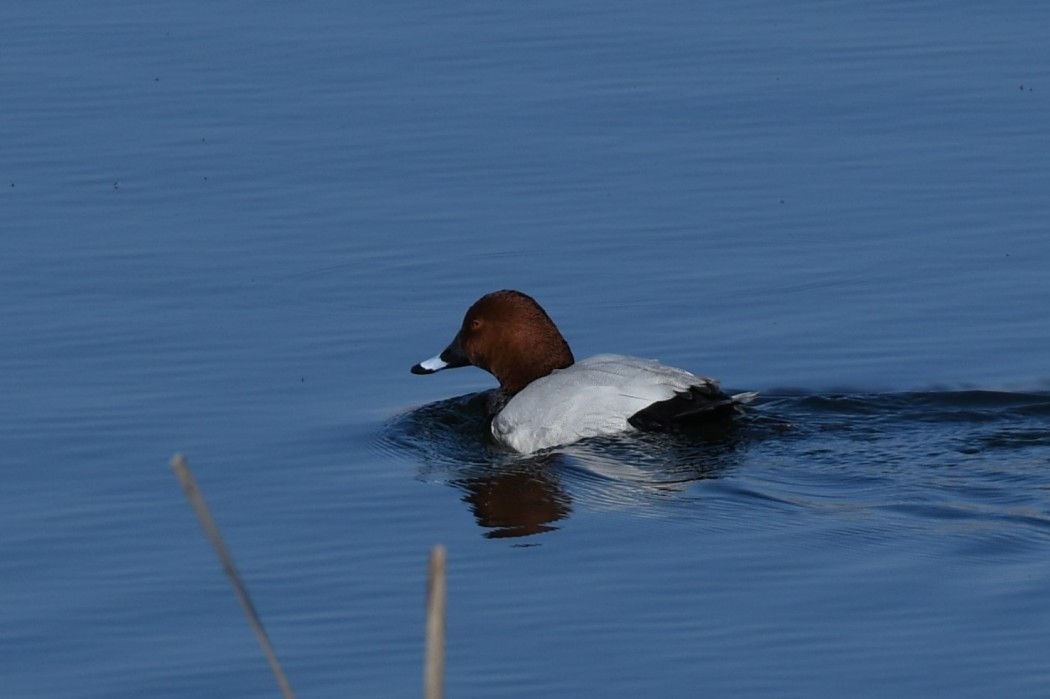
pixel 475 324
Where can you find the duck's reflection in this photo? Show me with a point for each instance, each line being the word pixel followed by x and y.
pixel 517 500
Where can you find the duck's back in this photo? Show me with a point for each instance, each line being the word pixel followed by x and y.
pixel 605 394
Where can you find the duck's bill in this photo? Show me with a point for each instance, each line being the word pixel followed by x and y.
pixel 430 366
pixel 451 358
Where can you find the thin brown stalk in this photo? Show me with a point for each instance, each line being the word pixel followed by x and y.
pixel 434 671
pixel 193 493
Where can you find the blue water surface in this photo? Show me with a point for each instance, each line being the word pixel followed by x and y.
pixel 229 230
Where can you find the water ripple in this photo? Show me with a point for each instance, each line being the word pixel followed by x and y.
pixel 933 456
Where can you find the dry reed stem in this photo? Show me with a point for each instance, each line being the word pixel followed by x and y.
pixel 434 670
pixel 193 493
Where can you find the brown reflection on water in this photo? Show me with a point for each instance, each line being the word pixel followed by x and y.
pixel 524 500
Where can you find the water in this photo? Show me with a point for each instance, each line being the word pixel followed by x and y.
pixel 230 231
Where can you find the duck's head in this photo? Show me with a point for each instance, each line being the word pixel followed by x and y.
pixel 509 335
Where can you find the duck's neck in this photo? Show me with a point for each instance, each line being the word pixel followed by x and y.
pixel 541 358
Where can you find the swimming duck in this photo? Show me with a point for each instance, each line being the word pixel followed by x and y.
pixel 547 399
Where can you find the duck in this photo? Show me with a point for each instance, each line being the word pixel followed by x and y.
pixel 547 399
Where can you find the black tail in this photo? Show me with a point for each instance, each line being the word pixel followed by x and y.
pixel 699 405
